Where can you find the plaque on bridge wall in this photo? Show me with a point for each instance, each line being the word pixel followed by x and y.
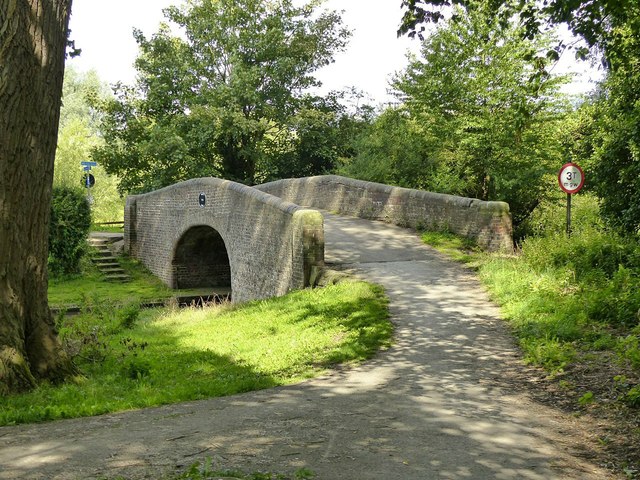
pixel 202 199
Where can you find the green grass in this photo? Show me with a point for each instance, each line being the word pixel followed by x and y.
pixel 461 249
pixel 206 471
pixel 177 355
pixel 91 286
pixel 119 228
pixel 563 297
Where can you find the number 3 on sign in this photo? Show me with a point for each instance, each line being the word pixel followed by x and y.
pixel 571 178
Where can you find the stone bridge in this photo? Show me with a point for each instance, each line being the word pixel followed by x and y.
pixel 259 242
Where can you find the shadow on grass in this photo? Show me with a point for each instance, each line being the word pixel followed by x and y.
pixel 171 356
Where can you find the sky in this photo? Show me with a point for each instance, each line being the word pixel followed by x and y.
pixel 103 30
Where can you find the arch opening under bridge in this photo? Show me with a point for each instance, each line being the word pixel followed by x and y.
pixel 201 259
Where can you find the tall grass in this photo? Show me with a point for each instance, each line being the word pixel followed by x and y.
pixel 134 359
pixel 566 296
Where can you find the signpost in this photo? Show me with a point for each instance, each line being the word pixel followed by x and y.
pixel 88 180
pixel 571 180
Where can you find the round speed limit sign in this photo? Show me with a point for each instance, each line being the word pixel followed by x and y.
pixel 571 178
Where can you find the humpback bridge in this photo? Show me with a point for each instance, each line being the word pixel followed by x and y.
pixel 259 241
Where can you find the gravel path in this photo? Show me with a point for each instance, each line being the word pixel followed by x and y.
pixel 442 403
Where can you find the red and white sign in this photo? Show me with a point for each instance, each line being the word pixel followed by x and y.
pixel 571 178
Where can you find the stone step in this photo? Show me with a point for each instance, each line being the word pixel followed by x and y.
pixel 117 278
pixel 97 242
pixel 105 262
pixel 103 253
pixel 112 269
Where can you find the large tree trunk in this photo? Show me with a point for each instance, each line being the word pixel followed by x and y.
pixel 33 37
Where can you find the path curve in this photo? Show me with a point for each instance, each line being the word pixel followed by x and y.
pixel 437 405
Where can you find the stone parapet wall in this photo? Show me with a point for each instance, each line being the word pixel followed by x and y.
pixel 487 223
pixel 272 245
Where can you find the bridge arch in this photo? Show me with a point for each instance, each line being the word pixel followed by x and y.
pixel 206 231
pixel 201 260
pixel 272 244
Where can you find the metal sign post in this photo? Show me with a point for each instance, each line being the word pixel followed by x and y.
pixel 88 180
pixel 571 180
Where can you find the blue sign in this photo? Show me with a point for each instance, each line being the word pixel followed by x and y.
pixel 89 164
pixel 89 181
pixel 86 168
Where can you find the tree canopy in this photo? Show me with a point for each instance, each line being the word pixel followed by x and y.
pixel 224 99
pixel 596 21
pixel 479 116
pixel 611 30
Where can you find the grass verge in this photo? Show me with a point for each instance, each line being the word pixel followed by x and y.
pixel 91 286
pixel 574 305
pixel 563 297
pixel 133 359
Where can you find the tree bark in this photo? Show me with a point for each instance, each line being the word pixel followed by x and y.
pixel 33 36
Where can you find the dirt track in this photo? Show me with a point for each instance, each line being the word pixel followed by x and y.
pixel 443 403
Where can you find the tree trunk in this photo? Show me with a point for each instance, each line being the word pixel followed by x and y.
pixel 33 36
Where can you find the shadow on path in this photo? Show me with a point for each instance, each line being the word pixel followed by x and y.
pixel 437 405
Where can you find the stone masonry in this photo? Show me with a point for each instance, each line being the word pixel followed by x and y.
pixel 209 232
pixel 212 233
pixel 488 223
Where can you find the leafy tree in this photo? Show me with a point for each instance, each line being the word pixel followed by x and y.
pixel 611 144
pixel 490 106
pixel 79 134
pixel 221 101
pixel 31 74
pixel 594 20
pixel 399 149
pixel 610 28
pixel 321 132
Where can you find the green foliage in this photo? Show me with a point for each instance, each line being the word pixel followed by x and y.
pixel 90 288
pixel 615 142
pixel 395 149
pixel 629 349
pixel 321 132
pixel 607 139
pixel 586 399
pixel 78 135
pixel 595 22
pixel 633 396
pixel 481 117
pixel 206 471
pixel 550 216
pixel 170 355
pixel 69 227
pixel 227 99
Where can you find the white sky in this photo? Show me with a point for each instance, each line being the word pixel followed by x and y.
pixel 103 30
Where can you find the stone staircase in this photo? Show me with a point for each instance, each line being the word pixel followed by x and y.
pixel 105 260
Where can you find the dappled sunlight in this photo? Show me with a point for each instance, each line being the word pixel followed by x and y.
pixel 439 403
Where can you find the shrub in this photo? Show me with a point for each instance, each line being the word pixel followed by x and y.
pixel 70 223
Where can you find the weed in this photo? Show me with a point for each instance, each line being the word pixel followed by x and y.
pixel 205 471
pixel 628 349
pixel 136 369
pixel 632 398
pixel 586 399
pixel 128 316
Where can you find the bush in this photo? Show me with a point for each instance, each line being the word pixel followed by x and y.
pixel 603 266
pixel 70 223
